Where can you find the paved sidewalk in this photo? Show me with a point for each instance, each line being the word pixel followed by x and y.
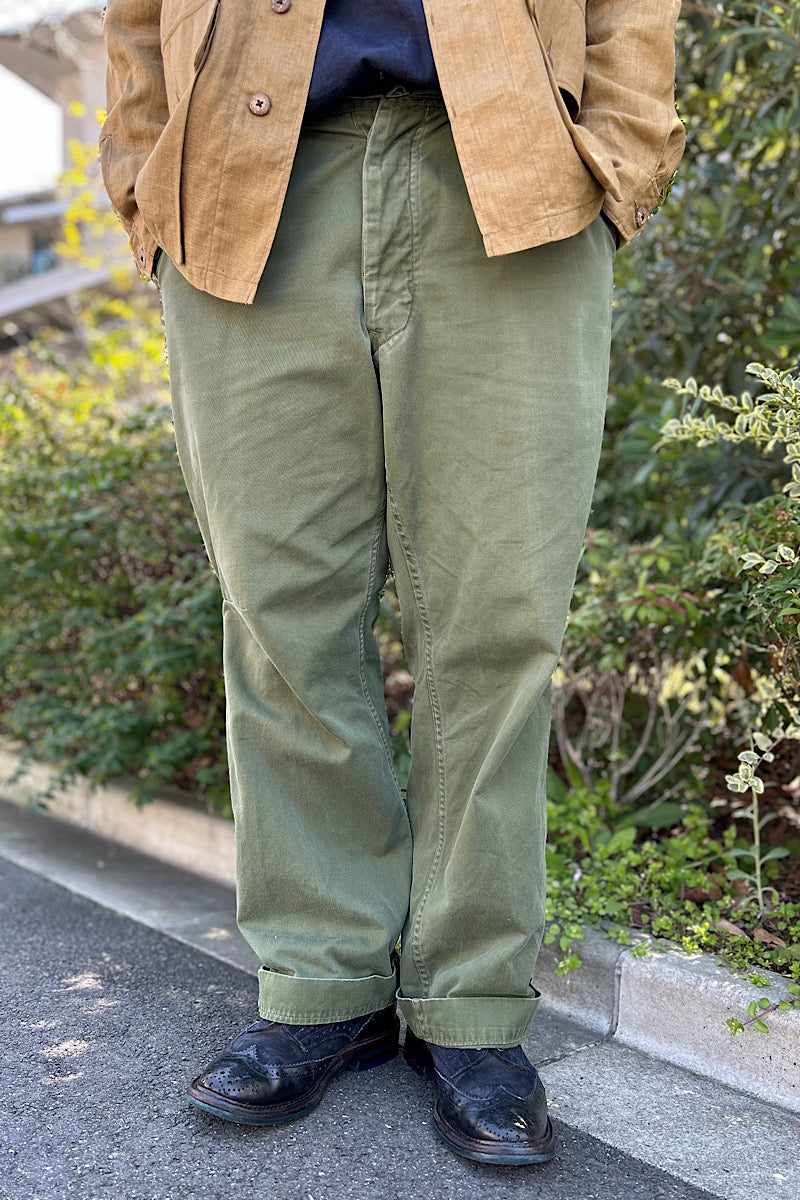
pixel 104 1018
pixel 109 1018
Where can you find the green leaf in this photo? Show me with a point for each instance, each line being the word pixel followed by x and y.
pixel 556 787
pixel 761 1026
pixel 623 839
pixel 742 874
pixel 787 954
pixel 573 775
pixel 668 813
pixel 775 852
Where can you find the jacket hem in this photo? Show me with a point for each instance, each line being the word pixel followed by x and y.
pixel 215 283
pixel 537 233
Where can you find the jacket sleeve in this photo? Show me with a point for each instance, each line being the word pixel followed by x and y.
pixel 137 111
pixel 628 101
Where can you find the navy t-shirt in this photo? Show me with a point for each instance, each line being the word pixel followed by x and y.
pixel 364 41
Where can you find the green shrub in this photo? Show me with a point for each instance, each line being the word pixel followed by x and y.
pixel 110 626
pixel 715 281
pixel 757 544
pixel 682 886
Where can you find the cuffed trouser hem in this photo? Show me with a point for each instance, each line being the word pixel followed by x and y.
pixel 468 1021
pixel 299 1001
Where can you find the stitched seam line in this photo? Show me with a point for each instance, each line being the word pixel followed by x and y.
pixel 433 699
pixel 362 651
pixel 413 183
pixel 533 159
pixel 184 16
pixel 312 1017
pixel 367 289
pixel 241 613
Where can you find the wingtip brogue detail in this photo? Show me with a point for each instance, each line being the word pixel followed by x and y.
pixel 274 1072
pixel 490 1104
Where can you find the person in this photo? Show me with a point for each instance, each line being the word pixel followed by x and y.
pixel 384 238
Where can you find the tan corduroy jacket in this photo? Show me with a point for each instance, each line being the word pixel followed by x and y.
pixel 558 108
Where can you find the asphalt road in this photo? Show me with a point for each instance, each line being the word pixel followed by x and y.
pixel 103 1021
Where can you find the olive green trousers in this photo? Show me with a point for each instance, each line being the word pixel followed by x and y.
pixel 393 392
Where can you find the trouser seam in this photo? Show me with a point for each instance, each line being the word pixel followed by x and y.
pixel 413 177
pixel 241 613
pixel 416 947
pixel 376 540
pixel 367 289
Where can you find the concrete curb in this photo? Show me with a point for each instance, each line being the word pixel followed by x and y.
pixel 667 1004
pixel 674 1006
pixel 174 827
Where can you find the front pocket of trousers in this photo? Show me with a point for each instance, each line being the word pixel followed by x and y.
pixel 611 230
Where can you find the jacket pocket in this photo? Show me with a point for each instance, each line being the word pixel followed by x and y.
pixel 117 166
pixel 612 231
pixel 158 183
pixel 104 155
pixel 561 25
pixel 594 155
pixel 187 30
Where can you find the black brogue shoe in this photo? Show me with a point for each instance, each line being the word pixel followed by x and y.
pixel 274 1072
pixel 490 1104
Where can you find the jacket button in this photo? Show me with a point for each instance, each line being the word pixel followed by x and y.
pixel 281 6
pixel 260 104
pixel 641 215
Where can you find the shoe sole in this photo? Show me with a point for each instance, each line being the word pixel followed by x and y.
pixel 421 1062
pixel 362 1058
